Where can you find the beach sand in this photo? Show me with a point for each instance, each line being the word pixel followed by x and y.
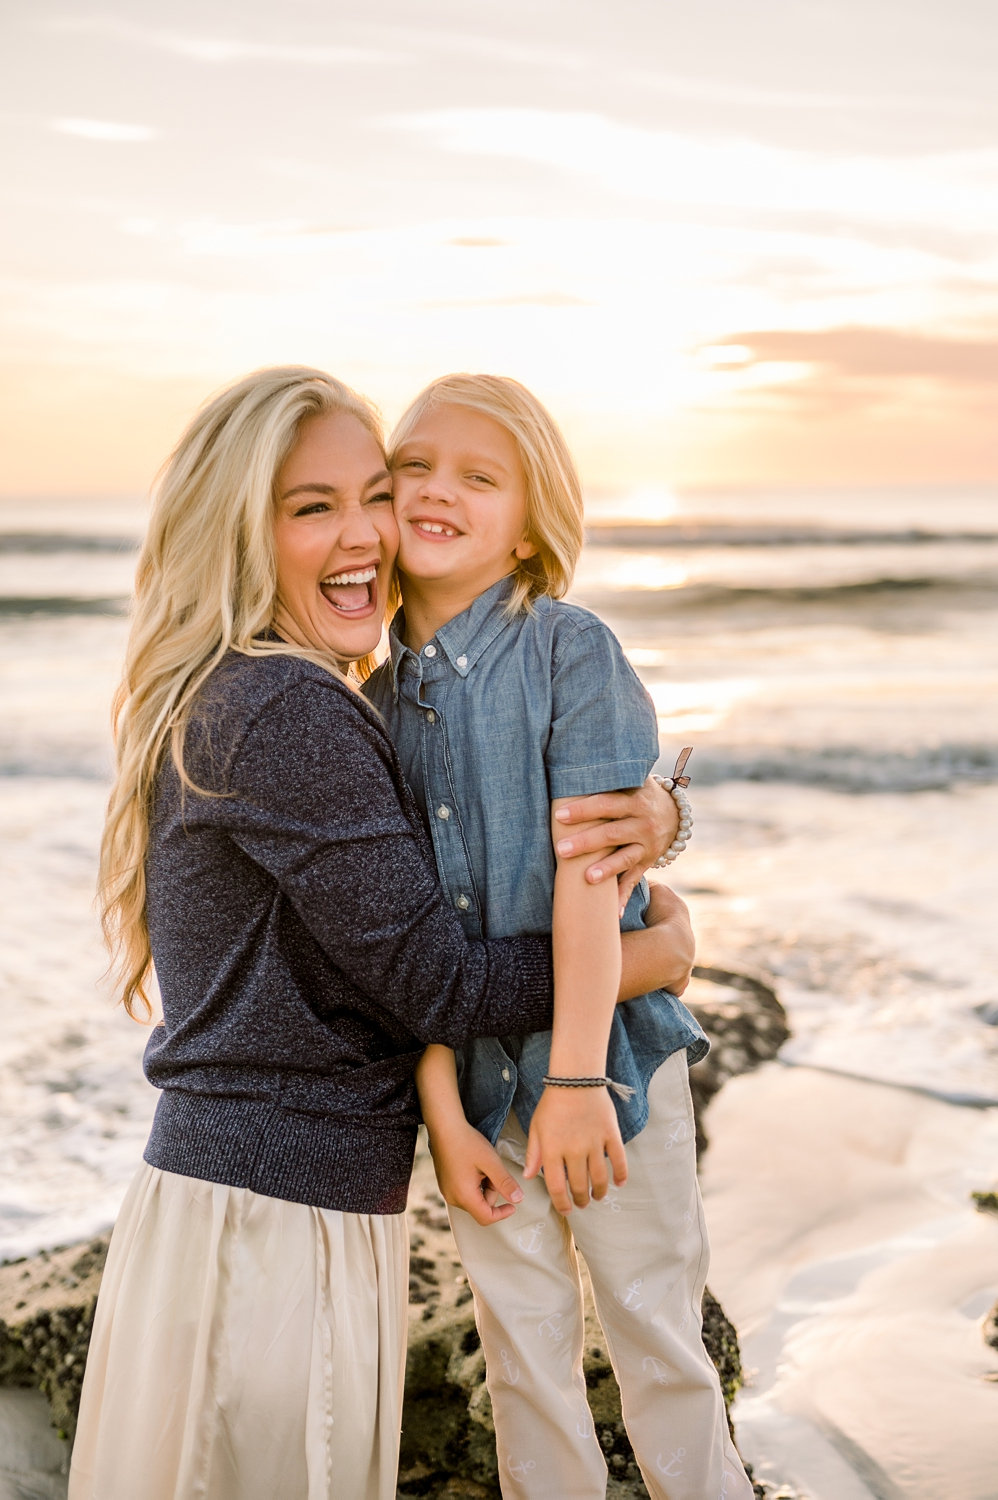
pixel 848 1254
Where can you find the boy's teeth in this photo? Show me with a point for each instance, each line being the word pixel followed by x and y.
pixel 436 528
pixel 364 575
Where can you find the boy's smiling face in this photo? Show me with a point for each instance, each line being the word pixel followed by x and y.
pixel 460 501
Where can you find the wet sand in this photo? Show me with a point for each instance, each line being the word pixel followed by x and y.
pixel 857 1270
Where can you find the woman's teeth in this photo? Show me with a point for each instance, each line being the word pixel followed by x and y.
pixel 364 575
pixel 349 591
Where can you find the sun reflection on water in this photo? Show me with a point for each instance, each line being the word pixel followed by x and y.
pixel 644 503
pixel 695 707
pixel 646 571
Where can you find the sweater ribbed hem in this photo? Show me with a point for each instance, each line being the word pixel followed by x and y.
pixel 355 1167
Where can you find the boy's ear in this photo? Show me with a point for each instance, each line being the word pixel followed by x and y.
pixel 524 549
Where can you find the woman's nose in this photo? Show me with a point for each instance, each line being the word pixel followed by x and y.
pixel 358 529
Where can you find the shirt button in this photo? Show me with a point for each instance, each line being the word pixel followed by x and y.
pixel 429 650
pixel 443 812
pixel 431 717
pixel 505 1075
pixel 463 902
pixel 462 661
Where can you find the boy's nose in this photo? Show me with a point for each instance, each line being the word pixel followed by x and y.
pixel 435 489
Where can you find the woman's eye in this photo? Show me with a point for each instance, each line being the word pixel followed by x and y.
pixel 383 497
pixel 314 508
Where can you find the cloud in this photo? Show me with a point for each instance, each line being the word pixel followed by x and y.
pixel 535 299
pixel 477 242
pixel 115 131
pixel 864 353
pixel 955 188
pixel 220 49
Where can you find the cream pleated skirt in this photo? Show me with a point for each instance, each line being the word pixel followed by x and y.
pixel 244 1348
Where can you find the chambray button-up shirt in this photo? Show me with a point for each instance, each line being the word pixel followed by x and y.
pixel 497 715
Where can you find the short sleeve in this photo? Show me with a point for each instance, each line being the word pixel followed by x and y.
pixel 604 731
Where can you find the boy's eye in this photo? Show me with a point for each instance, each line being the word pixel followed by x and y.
pixel 412 463
pixel 481 479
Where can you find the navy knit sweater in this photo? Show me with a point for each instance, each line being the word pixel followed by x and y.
pixel 304 949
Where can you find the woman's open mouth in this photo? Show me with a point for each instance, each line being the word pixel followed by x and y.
pixel 353 592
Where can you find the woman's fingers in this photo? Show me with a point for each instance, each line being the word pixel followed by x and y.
pixel 625 887
pixel 600 836
pixel 599 805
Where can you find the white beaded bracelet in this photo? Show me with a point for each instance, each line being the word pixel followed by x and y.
pixel 676 785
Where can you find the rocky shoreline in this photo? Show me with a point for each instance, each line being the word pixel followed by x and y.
pixel 47 1305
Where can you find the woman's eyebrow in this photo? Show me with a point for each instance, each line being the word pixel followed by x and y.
pixel 310 488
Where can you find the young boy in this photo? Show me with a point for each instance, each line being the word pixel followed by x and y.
pixel 503 703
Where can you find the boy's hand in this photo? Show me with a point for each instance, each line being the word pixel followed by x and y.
pixel 572 1134
pixel 472 1175
pixel 642 823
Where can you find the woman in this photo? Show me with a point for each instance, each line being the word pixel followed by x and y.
pixel 263 851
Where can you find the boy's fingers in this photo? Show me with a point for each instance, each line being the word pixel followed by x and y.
pixel 618 1161
pixel 557 1186
pixel 599 1176
pixel 506 1186
pixel 578 1181
pixel 486 1214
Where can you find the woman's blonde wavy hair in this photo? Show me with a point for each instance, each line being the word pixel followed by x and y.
pixel 553 488
pixel 205 585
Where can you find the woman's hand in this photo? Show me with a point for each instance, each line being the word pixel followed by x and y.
pixel 642 823
pixel 659 955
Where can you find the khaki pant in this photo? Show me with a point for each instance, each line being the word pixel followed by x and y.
pixel 645 1246
pixel 244 1348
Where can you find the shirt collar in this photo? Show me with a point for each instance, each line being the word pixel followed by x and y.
pixel 466 637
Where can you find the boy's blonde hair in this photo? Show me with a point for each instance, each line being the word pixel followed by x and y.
pixel 205 585
pixel 553 488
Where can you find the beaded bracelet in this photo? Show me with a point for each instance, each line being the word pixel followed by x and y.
pixel 622 1090
pixel 676 785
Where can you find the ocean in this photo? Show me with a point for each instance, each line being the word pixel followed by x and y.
pixel 833 658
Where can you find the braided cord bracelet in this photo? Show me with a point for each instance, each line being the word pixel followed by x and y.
pixel 622 1090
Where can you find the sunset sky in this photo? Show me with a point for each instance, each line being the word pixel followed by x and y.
pixel 726 242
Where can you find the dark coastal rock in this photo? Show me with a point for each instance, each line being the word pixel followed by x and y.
pixel 46 1314
pixel 990 1330
pixel 746 1024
